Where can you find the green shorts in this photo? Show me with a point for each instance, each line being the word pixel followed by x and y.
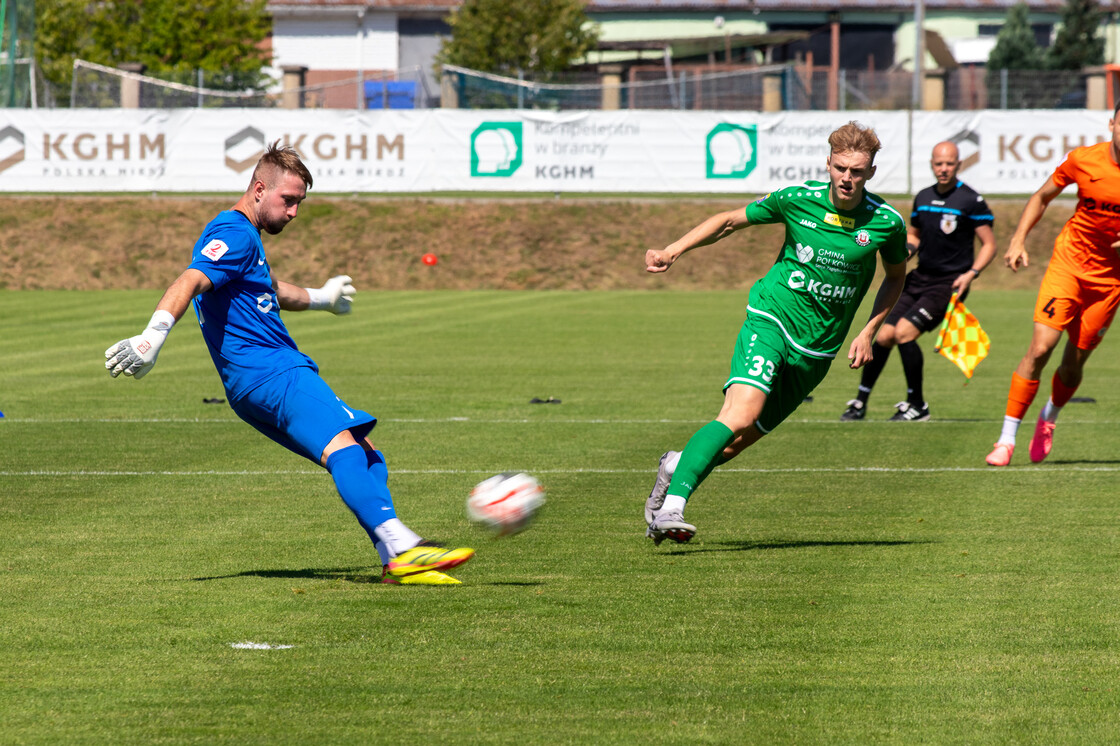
pixel 765 359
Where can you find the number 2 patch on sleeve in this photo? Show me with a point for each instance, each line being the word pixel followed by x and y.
pixel 215 249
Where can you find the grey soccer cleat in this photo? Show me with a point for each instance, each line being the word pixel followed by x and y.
pixel 670 526
pixel 856 411
pixel 660 487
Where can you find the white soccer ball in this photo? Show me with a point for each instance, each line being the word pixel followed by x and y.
pixel 505 503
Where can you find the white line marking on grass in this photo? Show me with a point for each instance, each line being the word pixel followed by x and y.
pixel 509 421
pixel 1042 470
pixel 258 646
pixel 116 420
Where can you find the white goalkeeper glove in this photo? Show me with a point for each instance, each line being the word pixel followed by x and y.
pixel 135 356
pixel 335 295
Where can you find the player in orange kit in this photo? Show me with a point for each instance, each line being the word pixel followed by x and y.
pixel 1079 293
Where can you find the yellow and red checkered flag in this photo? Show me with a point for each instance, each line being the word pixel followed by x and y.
pixel 961 339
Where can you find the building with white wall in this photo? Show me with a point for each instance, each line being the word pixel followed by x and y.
pixel 338 40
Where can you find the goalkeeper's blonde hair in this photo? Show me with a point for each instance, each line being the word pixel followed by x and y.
pixel 280 159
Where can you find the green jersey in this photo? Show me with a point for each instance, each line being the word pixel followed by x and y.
pixel 826 264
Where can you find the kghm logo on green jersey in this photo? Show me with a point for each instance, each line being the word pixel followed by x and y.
pixel 820 289
pixel 732 151
pixel 496 149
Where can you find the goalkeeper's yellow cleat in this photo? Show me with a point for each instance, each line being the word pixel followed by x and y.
pixel 431 577
pixel 423 558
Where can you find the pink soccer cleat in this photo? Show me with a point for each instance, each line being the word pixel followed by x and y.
pixel 1042 441
pixel 1000 455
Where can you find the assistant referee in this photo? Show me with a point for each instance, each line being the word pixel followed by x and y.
pixel 946 220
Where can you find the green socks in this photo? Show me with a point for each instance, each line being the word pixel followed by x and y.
pixel 702 454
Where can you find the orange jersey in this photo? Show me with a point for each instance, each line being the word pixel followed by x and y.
pixel 1084 247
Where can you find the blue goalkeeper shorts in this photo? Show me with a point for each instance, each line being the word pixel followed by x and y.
pixel 299 411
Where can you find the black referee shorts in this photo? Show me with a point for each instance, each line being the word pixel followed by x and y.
pixel 923 302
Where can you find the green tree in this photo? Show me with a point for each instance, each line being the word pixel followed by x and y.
pixel 59 25
pixel 536 37
pixel 1077 45
pixel 1016 48
pixel 172 39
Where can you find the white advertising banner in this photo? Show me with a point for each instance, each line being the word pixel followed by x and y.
pixel 203 150
pixel 1005 152
pixel 662 151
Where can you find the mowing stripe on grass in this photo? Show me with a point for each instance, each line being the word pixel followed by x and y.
pixel 511 421
pixel 1047 471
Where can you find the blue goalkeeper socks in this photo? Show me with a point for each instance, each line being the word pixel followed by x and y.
pixel 360 477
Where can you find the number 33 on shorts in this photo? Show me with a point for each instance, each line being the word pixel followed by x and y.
pixel 759 357
pixel 761 369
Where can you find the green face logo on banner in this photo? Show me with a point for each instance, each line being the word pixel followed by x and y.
pixel 496 149
pixel 732 151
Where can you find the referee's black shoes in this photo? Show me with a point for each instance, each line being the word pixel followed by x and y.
pixel 908 412
pixel 856 411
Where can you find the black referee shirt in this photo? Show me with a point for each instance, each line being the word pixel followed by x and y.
pixel 946 224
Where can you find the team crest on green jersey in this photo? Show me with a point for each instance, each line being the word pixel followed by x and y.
pixel 863 238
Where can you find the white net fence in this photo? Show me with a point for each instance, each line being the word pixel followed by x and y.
pixel 97 86
pixel 788 87
pixel 644 87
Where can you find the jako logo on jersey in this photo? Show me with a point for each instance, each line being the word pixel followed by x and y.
pixel 808 223
pixel 844 222
pixel 863 238
pixel 215 249
pixel 820 289
pixel 264 303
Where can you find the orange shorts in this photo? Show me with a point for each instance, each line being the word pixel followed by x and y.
pixel 1083 309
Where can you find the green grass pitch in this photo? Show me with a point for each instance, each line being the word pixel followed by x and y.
pixel 850 583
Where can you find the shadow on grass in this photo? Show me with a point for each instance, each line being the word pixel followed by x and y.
pixel 349 574
pixel 1074 461
pixel 750 546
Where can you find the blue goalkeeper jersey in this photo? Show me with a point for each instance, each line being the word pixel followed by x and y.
pixel 240 315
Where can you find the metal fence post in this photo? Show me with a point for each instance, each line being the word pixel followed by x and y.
pixel 1003 88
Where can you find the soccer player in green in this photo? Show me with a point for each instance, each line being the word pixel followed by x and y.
pixel 797 316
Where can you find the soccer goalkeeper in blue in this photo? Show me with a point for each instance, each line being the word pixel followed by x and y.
pixel 271 384
pixel 798 314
